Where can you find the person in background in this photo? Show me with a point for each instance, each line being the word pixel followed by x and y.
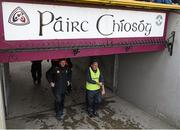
pixel 54 62
pixel 59 79
pixel 94 88
pixel 36 71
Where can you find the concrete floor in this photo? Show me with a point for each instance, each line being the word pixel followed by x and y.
pixel 32 106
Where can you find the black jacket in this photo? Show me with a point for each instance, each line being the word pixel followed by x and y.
pixel 59 76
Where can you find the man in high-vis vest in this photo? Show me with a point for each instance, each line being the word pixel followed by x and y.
pixel 94 88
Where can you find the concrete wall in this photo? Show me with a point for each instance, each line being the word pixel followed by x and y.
pixel 6 84
pixel 2 111
pixel 152 80
pixel 106 64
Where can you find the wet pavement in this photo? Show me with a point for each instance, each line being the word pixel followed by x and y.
pixel 31 106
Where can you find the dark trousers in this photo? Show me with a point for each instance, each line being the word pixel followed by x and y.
pixel 59 102
pixel 93 100
pixel 69 88
pixel 36 74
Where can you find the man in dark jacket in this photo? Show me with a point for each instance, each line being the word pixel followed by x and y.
pixel 59 78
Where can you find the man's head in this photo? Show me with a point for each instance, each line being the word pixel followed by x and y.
pixel 94 64
pixel 62 62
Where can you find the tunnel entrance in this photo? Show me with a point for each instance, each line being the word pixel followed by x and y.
pixel 29 100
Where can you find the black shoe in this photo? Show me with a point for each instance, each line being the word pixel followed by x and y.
pixel 90 114
pixel 59 117
pixel 95 114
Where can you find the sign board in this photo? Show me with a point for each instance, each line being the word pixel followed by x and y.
pixel 32 31
pixel 23 21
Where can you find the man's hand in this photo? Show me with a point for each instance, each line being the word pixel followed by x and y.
pixel 102 89
pixel 100 84
pixel 52 84
pixel 103 92
pixel 68 83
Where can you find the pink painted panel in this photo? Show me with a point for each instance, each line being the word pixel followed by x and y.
pixel 26 56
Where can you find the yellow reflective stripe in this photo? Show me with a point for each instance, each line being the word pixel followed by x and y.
pixel 90 86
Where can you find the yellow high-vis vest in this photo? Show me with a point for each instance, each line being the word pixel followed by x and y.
pixel 95 77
